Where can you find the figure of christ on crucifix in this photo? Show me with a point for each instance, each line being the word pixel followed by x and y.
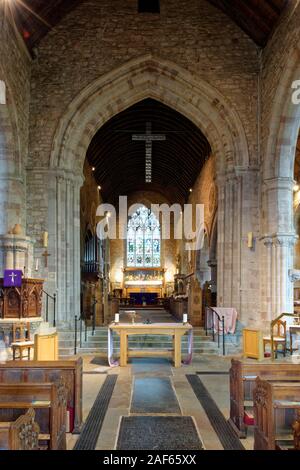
pixel 148 138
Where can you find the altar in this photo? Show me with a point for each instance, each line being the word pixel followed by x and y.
pixel 176 330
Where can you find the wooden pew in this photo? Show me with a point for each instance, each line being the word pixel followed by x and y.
pixel 49 403
pixel 276 405
pixel 296 431
pixel 22 434
pixel 51 371
pixel 242 383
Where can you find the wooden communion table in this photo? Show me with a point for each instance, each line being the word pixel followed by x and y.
pixel 176 330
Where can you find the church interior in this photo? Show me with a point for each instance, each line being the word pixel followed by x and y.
pixel 150 225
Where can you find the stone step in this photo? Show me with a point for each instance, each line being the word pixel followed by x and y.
pixel 98 342
pixel 142 342
pixel 211 351
pixel 104 335
pixel 139 346
pixel 66 352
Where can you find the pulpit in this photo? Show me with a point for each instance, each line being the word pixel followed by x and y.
pixel 21 302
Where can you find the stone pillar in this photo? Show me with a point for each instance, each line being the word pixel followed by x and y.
pixel 64 244
pixel 16 252
pixel 278 294
pixel 277 248
pixel 238 265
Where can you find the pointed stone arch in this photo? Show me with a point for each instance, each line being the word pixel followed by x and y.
pixel 138 79
pixel 285 119
pixel 149 77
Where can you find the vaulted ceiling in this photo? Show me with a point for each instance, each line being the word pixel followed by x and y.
pixel 120 162
pixel 257 18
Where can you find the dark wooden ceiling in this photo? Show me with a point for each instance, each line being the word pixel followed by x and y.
pixel 256 17
pixel 120 162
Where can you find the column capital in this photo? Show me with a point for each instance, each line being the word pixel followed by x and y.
pixel 281 182
pixel 246 170
pixel 61 173
pixel 279 239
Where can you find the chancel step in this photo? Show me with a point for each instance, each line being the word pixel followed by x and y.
pixel 98 343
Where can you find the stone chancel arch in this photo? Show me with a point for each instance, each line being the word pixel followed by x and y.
pixel 149 77
pixel 145 77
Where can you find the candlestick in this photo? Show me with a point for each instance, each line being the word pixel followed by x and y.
pixel 185 318
pixel 117 317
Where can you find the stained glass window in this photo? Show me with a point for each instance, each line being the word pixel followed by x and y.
pixel 143 239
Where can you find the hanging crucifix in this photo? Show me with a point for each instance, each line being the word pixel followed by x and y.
pixel 148 138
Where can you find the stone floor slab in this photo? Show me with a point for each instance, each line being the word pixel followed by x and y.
pixel 154 395
pixel 158 433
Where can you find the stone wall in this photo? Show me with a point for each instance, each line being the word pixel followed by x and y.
pixel 191 33
pixel 97 38
pixel 15 64
pixel 276 61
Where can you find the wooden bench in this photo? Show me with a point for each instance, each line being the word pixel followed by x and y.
pixel 22 434
pixel 276 406
pixel 49 403
pixel 242 383
pixel 296 431
pixel 51 371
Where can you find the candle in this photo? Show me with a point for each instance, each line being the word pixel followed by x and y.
pixel 117 317
pixel 250 240
pixel 185 318
pixel 45 239
pixel 37 265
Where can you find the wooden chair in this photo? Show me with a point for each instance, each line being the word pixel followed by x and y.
pixel 21 340
pixel 277 337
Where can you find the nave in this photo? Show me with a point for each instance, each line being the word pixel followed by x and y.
pixel 173 399
pixel 145 378
pixel 149 225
